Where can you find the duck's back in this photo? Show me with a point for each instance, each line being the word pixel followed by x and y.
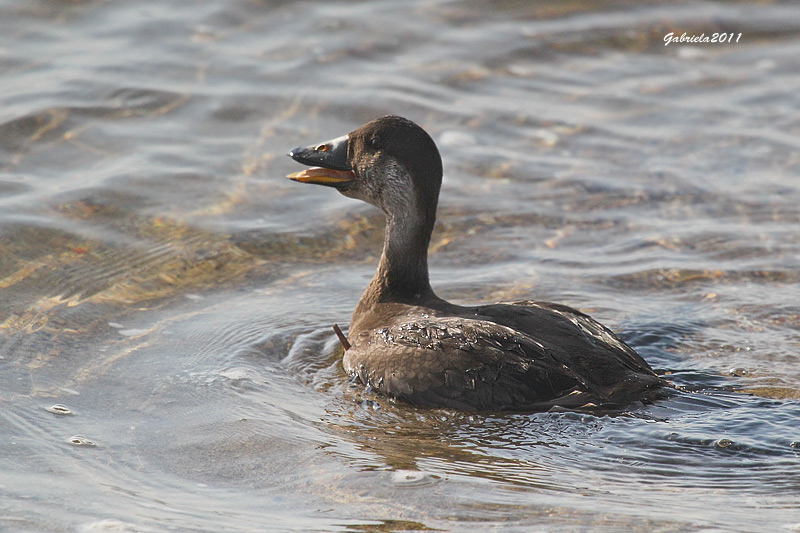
pixel 525 356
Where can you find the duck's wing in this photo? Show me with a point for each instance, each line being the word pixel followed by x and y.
pixel 467 364
pixel 592 345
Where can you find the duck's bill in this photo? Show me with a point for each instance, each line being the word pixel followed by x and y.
pixel 324 176
pixel 330 154
pixel 327 161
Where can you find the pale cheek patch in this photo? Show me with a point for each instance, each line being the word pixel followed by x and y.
pixel 388 188
pixel 397 196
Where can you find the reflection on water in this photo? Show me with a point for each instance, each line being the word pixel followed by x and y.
pixel 166 297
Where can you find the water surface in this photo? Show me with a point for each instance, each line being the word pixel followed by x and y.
pixel 166 296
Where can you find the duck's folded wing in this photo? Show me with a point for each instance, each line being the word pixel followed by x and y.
pixel 466 364
pixel 590 343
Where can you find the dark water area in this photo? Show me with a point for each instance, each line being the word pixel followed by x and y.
pixel 166 296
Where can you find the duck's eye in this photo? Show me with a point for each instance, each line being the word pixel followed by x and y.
pixel 322 148
pixel 375 142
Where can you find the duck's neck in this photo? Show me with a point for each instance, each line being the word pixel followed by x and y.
pixel 402 275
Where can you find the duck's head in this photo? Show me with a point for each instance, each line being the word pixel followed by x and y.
pixel 390 162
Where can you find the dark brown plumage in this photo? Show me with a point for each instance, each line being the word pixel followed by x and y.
pixel 409 344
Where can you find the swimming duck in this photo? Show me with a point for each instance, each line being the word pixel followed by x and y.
pixel 407 343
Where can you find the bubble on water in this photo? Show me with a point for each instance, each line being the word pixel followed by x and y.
pixel 59 409
pixel 133 332
pixel 723 443
pixel 411 477
pixel 80 440
pixel 738 372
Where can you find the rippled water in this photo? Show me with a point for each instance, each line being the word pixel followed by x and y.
pixel 166 296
